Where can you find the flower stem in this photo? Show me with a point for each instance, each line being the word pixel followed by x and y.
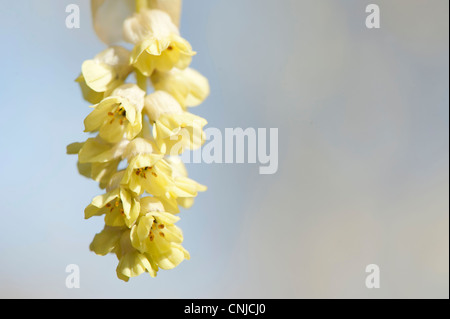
pixel 141 81
pixel 141 5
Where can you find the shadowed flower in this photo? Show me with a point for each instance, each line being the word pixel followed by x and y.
pixel 98 159
pixel 101 75
pixel 108 15
pixel 187 86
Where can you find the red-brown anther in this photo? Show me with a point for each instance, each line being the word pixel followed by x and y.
pixel 120 111
pixel 141 172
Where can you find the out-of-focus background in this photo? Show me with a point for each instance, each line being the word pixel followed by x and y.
pixel 363 119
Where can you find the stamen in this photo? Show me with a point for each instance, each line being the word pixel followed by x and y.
pixel 161 226
pixel 161 234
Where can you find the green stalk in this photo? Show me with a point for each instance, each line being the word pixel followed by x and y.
pixel 141 80
pixel 141 5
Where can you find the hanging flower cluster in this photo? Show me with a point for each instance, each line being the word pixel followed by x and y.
pixel 145 131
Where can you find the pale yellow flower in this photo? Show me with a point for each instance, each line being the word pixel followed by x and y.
pixel 153 242
pixel 187 86
pixel 174 130
pixel 146 170
pixel 158 44
pixel 108 15
pixel 101 75
pixel 183 190
pixel 118 115
pixel 117 240
pixel 156 235
pixel 133 263
pixel 120 206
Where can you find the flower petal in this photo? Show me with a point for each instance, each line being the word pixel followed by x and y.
pixel 98 75
pixel 160 102
pixel 106 241
pixel 148 24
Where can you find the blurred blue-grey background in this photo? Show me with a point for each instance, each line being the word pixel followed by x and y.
pixel 363 119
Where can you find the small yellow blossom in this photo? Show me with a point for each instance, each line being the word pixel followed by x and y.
pixel 156 235
pixel 150 173
pixel 146 170
pixel 174 130
pixel 117 240
pixel 120 207
pixel 182 190
pixel 101 75
pixel 158 44
pixel 187 86
pixel 118 115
